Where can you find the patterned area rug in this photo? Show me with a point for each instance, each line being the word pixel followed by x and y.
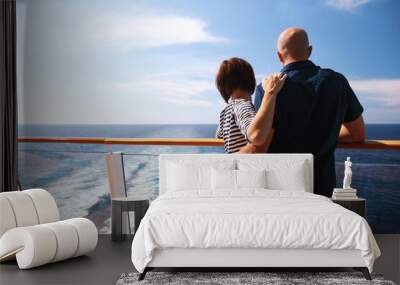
pixel 242 278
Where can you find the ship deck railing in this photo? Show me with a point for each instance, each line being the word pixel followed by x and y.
pixel 368 144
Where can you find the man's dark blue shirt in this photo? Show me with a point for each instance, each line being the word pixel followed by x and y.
pixel 310 110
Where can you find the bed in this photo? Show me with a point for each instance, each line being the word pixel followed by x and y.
pixel 258 210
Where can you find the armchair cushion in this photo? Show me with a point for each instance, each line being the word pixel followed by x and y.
pixel 27 208
pixel 7 220
pixel 40 244
pixel 31 232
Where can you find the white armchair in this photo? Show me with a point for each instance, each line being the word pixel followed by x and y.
pixel 31 230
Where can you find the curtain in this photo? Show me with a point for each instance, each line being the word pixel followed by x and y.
pixel 8 97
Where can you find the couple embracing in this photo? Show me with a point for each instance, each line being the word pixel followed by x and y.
pixel 302 109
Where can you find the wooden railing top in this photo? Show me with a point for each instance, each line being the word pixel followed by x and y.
pixel 371 144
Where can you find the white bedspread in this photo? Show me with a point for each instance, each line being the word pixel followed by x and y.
pixel 250 219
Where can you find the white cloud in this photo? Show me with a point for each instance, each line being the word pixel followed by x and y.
pixel 141 31
pixel 81 25
pixel 383 91
pixel 190 92
pixel 192 84
pixel 169 98
pixel 92 77
pixel 347 5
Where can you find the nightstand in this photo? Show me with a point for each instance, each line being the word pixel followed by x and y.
pixel 120 205
pixel 358 205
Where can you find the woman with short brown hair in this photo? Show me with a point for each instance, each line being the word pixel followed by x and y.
pixel 241 128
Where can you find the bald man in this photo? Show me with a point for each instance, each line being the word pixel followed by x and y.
pixel 315 109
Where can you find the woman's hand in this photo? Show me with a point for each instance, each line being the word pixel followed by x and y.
pixel 260 128
pixel 274 83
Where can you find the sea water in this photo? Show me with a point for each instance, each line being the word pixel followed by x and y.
pixel 76 175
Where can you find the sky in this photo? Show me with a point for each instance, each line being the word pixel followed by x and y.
pixel 152 62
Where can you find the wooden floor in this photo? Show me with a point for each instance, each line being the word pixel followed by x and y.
pixel 103 266
pixel 110 259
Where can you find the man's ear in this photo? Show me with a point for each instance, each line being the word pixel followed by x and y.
pixel 280 57
pixel 309 51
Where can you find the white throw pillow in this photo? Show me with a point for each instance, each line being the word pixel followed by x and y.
pixel 251 178
pixel 230 180
pixel 223 179
pixel 292 178
pixel 186 175
pixel 281 175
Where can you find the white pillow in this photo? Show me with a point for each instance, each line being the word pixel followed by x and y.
pixel 251 178
pixel 230 180
pixel 187 175
pixel 291 179
pixel 223 179
pixel 281 175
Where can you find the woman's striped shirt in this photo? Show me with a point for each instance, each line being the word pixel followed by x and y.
pixel 234 121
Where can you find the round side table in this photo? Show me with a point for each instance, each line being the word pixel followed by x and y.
pixel 126 204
